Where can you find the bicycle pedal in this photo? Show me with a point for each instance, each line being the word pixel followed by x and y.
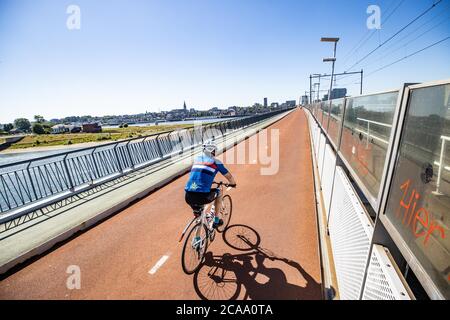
pixel 218 224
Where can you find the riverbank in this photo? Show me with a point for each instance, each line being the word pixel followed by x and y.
pixel 52 148
pixel 46 142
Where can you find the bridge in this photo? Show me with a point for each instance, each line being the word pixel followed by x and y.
pixel 117 257
pixel 346 199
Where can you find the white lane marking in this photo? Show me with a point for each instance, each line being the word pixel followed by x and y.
pixel 159 264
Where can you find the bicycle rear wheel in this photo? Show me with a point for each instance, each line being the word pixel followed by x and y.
pixel 225 212
pixel 193 249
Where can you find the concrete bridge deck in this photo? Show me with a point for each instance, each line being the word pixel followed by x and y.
pixel 135 254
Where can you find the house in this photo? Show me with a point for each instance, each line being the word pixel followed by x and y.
pixel 15 131
pixel 62 128
pixel 74 129
pixel 59 128
pixel 92 128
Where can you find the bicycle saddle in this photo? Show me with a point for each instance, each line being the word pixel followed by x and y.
pixel 197 210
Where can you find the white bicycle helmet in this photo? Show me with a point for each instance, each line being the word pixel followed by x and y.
pixel 209 147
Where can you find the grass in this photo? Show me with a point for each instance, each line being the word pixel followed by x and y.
pixel 108 134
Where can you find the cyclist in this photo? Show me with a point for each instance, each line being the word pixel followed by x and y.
pixel 198 188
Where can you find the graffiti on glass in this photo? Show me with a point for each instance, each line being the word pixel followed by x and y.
pixel 420 221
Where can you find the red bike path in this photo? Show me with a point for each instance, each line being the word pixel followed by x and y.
pixel 135 254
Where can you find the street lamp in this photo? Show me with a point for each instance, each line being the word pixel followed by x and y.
pixel 318 89
pixel 315 75
pixel 335 41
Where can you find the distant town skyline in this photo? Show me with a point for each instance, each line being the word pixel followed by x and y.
pixel 93 123
pixel 137 56
pixel 264 103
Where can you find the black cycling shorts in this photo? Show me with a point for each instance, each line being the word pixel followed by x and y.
pixel 198 199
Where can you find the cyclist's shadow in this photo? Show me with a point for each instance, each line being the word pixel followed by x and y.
pixel 231 277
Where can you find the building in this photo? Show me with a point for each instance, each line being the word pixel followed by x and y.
pixel 265 102
pixel 74 129
pixel 59 128
pixel 291 103
pixel 92 128
pixel 274 105
pixel 338 93
pixel 65 128
pixel 305 100
pixel 178 114
pixel 15 131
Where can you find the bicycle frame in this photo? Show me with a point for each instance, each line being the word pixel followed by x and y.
pixel 202 217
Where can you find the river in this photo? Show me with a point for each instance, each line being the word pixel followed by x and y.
pixel 12 157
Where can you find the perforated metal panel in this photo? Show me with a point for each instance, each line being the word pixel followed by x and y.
pixel 329 163
pixel 321 153
pixel 383 282
pixel 314 132
pixel 316 140
pixel 351 233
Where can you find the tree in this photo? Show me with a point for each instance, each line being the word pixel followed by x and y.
pixel 47 127
pixel 8 127
pixel 39 119
pixel 22 124
pixel 38 128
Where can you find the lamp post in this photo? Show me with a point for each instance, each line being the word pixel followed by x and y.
pixel 310 89
pixel 333 60
pixel 315 75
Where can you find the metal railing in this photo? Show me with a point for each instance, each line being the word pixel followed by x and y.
pixel 441 163
pixel 32 184
pixel 368 134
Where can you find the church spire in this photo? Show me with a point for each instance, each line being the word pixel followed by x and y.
pixel 184 106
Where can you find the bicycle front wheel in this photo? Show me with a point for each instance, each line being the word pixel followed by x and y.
pixel 225 212
pixel 194 248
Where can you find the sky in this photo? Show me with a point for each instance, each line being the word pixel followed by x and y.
pixel 133 56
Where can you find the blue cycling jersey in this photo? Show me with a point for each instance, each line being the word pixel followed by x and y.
pixel 203 172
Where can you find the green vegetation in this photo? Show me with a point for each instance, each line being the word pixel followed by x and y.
pixel 109 134
pixel 39 119
pixel 38 128
pixel 8 127
pixel 22 124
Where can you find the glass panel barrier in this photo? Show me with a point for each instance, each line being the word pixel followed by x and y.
pixel 318 113
pixel 335 122
pixel 365 138
pixel 324 106
pixel 419 199
pixel 314 111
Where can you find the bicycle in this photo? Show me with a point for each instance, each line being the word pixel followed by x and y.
pixel 196 242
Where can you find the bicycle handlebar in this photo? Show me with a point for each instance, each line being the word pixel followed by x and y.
pixel 228 185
